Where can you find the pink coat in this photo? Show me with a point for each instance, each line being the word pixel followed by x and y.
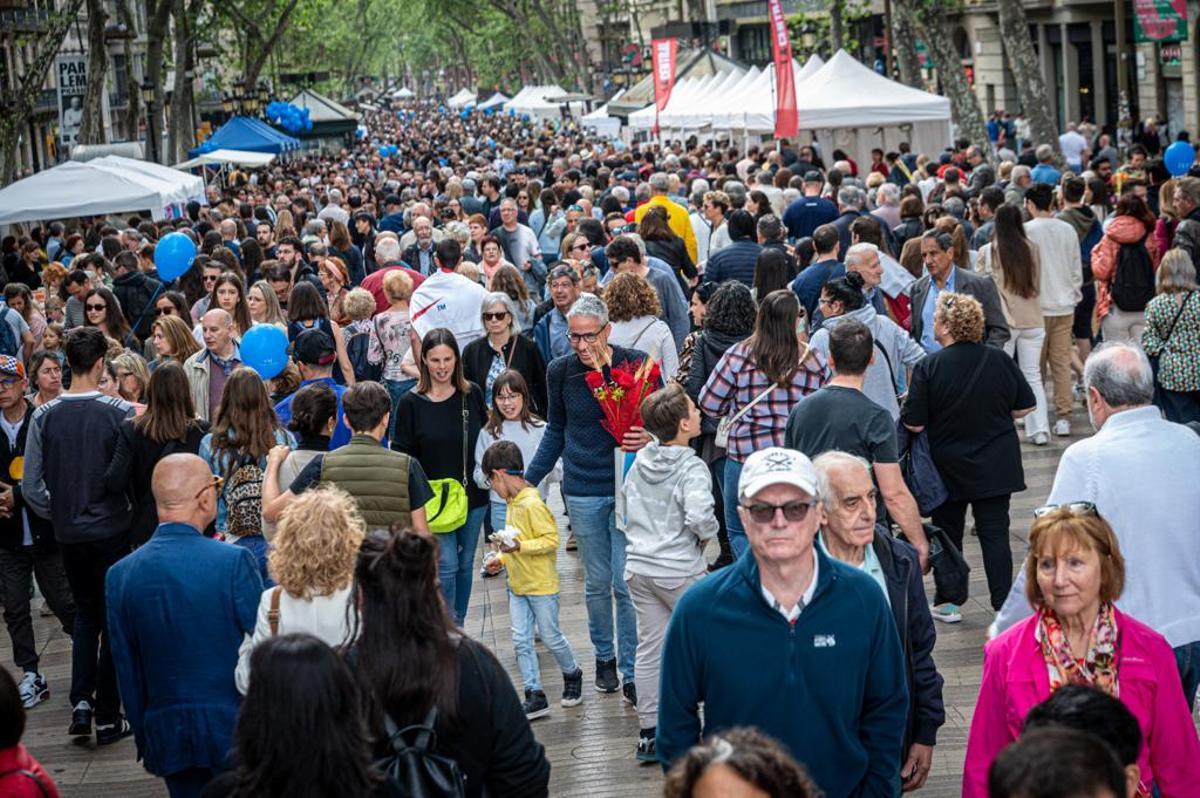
pixel 1015 680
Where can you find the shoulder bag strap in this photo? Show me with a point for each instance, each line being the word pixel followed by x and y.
pixel 1174 321
pixel 137 326
pixel 966 389
pixel 464 438
pixel 649 324
pixel 888 361
pixel 512 341
pixel 736 416
pixel 273 613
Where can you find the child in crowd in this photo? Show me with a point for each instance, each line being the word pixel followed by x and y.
pixel 21 776
pixel 52 339
pixel 668 518
pixel 531 561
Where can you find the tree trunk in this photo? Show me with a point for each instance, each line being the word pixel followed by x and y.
pixel 1031 88
pixel 837 32
pixel 133 110
pixel 181 115
pixel 904 51
pixel 158 16
pixel 964 106
pixel 91 130
pixel 261 49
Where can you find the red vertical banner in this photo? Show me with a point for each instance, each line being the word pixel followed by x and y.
pixel 663 61
pixel 787 121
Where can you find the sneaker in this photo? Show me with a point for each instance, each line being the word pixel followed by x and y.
pixel 571 544
pixel 606 676
pixel 645 746
pixel 109 733
pixel 572 694
pixel 81 720
pixel 629 692
pixel 1062 428
pixel 34 689
pixel 946 613
pixel 536 705
pixel 1079 394
pixel 1041 439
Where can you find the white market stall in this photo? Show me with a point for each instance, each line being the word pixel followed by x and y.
pixel 495 101
pixel 253 160
pixel 183 187
pixel 601 122
pixel 463 99
pixel 75 189
pixel 752 108
pixel 403 93
pixel 541 102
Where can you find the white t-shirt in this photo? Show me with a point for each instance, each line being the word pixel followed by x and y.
pixel 1073 146
pixel 447 299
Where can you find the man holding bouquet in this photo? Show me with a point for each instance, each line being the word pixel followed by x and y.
pixel 576 432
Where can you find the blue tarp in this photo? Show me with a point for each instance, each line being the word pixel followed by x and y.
pixel 247 134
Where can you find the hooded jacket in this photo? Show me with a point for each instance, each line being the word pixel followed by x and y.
pixel 1082 219
pixel 137 292
pixel 1121 230
pixel 669 513
pixel 710 345
pixel 894 350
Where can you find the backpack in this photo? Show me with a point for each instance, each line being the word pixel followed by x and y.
pixel 357 347
pixel 414 770
pixel 1133 280
pixel 243 498
pixel 8 339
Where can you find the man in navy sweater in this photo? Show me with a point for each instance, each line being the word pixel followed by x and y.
pixel 574 432
pixel 736 261
pixel 811 211
pixel 790 641
pixel 825 267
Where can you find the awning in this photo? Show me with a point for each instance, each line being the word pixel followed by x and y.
pixel 239 157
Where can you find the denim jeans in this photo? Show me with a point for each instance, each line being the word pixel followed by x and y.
pixel 257 545
pixel 499 511
pixel 397 389
pixel 456 563
pixel 1187 657
pixel 602 549
pixel 733 522
pixel 525 612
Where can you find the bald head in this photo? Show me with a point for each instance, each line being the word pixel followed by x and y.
pixel 181 484
pixel 216 326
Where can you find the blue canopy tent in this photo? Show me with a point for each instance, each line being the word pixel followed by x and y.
pixel 247 134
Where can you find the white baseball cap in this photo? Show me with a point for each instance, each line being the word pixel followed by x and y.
pixel 777 466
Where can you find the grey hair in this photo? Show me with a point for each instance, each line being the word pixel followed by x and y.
pixel 887 193
pixel 387 248
pixel 827 462
pixel 944 241
pixel 501 298
pixel 848 195
pixel 736 192
pixel 1019 171
pixel 1120 373
pixel 1044 153
pixel 1176 272
pixel 859 249
pixel 621 193
pixel 458 231
pixel 955 206
pixel 660 183
pixel 468 185
pixel 591 306
pixel 769 227
pixel 641 244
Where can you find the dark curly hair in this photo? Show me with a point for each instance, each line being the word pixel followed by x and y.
pixel 731 310
pixel 754 756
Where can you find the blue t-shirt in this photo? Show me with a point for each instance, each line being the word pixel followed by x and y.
pixel 341 433
pixel 1045 173
pixel 928 342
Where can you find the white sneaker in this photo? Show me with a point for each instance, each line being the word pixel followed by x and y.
pixel 33 689
pixel 1041 439
pixel 946 613
pixel 1062 428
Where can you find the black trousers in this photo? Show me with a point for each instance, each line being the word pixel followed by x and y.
pixel 991 525
pixel 18 567
pixel 93 678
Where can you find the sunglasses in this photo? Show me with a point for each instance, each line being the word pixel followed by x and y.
pixel 501 316
pixel 1075 508
pixel 97 307
pixel 164 311
pixel 580 246
pixel 762 513
pixel 217 482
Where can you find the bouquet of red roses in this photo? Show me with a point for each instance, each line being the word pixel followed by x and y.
pixel 620 391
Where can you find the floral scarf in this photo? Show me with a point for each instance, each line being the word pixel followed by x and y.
pixel 1098 668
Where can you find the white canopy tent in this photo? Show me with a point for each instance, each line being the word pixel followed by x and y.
pixel 752 107
pixel 403 93
pixel 182 186
pixel 702 113
pixel 253 160
pixel 464 98
pixel 601 122
pixel 496 100
pixel 687 94
pixel 539 102
pixel 75 189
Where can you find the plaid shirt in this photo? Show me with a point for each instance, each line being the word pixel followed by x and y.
pixel 736 381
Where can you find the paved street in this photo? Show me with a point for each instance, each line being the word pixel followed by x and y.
pixel 591 746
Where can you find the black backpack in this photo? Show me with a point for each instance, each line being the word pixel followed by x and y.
pixel 1133 281
pixel 414 770
pixel 357 349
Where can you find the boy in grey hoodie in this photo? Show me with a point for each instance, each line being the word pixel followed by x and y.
pixel 669 517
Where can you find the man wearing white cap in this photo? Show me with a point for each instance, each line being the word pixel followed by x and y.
pixel 790 641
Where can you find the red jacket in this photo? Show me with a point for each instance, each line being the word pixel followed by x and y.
pixel 17 784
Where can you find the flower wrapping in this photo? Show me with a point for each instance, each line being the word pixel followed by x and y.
pixel 620 390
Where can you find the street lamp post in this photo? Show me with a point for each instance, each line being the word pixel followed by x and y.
pixel 151 134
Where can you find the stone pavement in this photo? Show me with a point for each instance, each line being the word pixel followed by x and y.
pixel 590 747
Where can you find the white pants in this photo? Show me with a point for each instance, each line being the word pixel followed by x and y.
pixel 1027 342
pixel 1120 325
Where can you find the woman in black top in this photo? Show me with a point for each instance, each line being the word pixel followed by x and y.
pixel 300 732
pixel 664 244
pixel 500 348
pixel 438 423
pixel 410 659
pixel 966 395
pixel 169 426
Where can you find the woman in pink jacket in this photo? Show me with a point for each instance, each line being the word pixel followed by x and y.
pixel 1132 224
pixel 1074 574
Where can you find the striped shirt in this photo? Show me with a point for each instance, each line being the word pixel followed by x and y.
pixel 736 381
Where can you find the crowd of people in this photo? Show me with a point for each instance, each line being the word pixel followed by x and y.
pixel 847 361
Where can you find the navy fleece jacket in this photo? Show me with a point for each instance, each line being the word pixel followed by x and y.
pixel 831 687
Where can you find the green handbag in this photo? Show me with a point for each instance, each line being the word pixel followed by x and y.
pixel 447 510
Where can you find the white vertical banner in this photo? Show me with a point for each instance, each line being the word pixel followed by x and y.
pixel 72 85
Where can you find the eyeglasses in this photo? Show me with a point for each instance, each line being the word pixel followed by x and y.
pixel 588 338
pixel 169 311
pixel 501 316
pixel 761 513
pixel 97 307
pixel 1075 508
pixel 8 382
pixel 216 484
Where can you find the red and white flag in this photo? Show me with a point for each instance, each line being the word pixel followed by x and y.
pixel 663 60
pixel 787 121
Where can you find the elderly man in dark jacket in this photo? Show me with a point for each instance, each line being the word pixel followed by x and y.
pixel 849 534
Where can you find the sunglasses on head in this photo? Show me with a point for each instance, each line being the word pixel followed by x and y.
pixel 1075 508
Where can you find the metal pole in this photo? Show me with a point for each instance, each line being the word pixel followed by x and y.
pixel 1122 64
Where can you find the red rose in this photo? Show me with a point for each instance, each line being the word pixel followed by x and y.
pixel 594 379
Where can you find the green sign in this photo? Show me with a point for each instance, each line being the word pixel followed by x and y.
pixel 1160 20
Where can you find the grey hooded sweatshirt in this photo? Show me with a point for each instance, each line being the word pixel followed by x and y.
pixel 668 513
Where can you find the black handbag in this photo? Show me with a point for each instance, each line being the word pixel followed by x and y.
pixel 413 770
pixel 951 573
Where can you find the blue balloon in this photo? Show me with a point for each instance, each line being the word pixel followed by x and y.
pixel 1179 158
pixel 173 255
pixel 383 152
pixel 264 349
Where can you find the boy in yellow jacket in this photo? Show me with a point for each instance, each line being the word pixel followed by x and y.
pixel 530 556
